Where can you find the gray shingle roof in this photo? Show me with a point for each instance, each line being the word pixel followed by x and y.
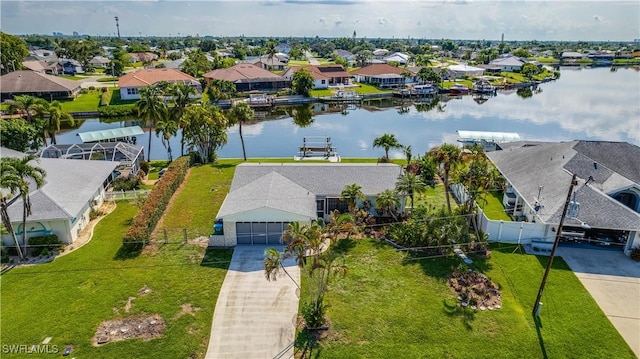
pixel 69 186
pixel 552 165
pixel 324 179
pixel 30 81
pixel 270 191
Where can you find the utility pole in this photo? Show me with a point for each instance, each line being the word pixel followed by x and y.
pixel 117 26
pixel 555 245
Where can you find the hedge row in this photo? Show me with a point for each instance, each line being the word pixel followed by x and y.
pixel 117 110
pixel 44 244
pixel 145 221
pixel 105 98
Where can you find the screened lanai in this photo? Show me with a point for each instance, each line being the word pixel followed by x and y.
pixel 129 155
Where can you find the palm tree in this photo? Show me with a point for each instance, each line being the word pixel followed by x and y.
pixel 168 127
pixel 56 115
pixel 151 108
pixel 409 184
pixel 340 223
pixel 181 96
pixel 9 180
pixel 351 193
pixel 22 173
pixel 447 157
pixel 271 53
pixel 407 154
pixel 386 141
pixel 26 103
pixel 387 201
pixel 241 113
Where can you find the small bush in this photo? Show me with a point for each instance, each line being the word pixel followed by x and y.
pixel 144 166
pixel 117 110
pixel 42 243
pixel 125 184
pixel 105 98
pixel 635 254
pixel 313 314
pixel 94 213
pixel 84 91
pixel 92 88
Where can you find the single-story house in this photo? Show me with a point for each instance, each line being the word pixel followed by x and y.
pixel 605 202
pixel 71 67
pixel 571 55
pixel 383 75
pixel 459 71
pixel 276 63
pixel 510 63
pixel 100 61
pixel 142 56
pixel 398 57
pixel 130 83
pixel 61 206
pixel 51 68
pixel 323 75
pixel 249 77
pixel 351 58
pixel 379 53
pixel 42 55
pixel 265 198
pixel 37 84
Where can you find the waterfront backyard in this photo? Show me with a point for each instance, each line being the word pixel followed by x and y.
pixel 390 304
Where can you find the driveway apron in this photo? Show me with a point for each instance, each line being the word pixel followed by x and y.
pixel 613 280
pixel 254 318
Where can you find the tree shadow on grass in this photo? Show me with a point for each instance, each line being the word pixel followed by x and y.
pixel 438 267
pixel 344 245
pixel 128 251
pixel 217 258
pixel 538 323
pixel 451 308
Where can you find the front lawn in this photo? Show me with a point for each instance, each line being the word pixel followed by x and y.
pixel 68 298
pixel 395 305
pixel 87 102
pixel 433 198
pixel 491 204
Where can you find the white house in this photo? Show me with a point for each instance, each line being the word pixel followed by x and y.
pixel 510 63
pixel 132 82
pixel 62 204
pixel 604 204
pixel 265 198
pixel 459 71
pixel 323 75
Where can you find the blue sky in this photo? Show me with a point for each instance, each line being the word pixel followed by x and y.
pixel 452 19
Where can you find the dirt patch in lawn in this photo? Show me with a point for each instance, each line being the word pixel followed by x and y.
pixel 475 290
pixel 139 327
pixel 186 309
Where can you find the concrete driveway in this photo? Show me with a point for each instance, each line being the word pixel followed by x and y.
pixel 254 318
pixel 613 280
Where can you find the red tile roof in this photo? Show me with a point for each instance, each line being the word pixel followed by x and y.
pixel 323 72
pixel 243 72
pixel 146 77
pixel 378 69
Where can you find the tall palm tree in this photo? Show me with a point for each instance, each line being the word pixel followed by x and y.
pixel 409 184
pixel 241 113
pixel 167 127
pixel 351 193
pixel 181 97
pixel 11 181
pixel 25 173
pixel 271 53
pixel 386 141
pixel 387 201
pixel 340 223
pixel 151 108
pixel 447 156
pixel 25 103
pixel 52 115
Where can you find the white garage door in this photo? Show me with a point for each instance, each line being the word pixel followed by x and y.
pixel 260 232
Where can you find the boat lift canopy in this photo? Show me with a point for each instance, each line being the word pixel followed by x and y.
pixel 495 137
pixel 111 134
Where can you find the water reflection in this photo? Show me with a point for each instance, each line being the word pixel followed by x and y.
pixel 593 104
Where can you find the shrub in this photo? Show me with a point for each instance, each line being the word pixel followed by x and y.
pixel 635 254
pixel 144 166
pixel 117 110
pixel 125 183
pixel 92 88
pixel 313 314
pixel 105 98
pixel 94 213
pixel 145 221
pixel 84 91
pixel 46 243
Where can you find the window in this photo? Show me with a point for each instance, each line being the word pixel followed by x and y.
pixel 336 203
pixel 132 91
pixel 323 82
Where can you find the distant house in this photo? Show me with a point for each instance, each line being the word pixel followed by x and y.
pixel 61 206
pixel 265 198
pixel 570 55
pixel 51 68
pixel 509 63
pixel 100 61
pixel 142 56
pixel 459 71
pixel 43 55
pixel 605 203
pixel 382 75
pixel 276 63
pixel 249 77
pixel 37 84
pixel 225 54
pixel 71 67
pixel 379 53
pixel 131 83
pixel 397 57
pixel 323 75
pixel 283 47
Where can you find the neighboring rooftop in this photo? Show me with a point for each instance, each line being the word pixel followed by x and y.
pixel 147 77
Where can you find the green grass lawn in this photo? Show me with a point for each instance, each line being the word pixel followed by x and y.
pixel 394 305
pixel 433 198
pixel 298 63
pixel 83 103
pixel 68 298
pixel 491 204
pixel 74 78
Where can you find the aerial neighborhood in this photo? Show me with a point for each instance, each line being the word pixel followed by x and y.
pixel 126 231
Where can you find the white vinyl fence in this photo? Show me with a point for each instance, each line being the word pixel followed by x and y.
pixel 126 195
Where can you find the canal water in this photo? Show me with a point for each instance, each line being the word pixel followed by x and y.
pixel 585 104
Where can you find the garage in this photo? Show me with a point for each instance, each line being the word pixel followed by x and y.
pixel 260 232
